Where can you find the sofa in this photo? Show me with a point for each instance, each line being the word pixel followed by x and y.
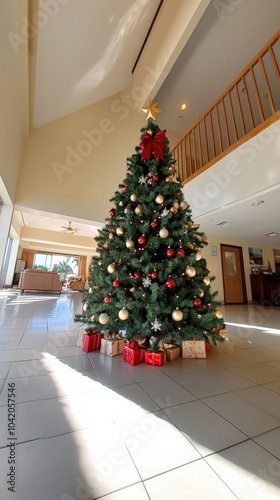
pixel 35 279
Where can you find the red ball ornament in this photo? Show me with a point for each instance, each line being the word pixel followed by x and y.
pixel 107 299
pixel 155 178
pixel 137 275
pixel 127 208
pixel 124 188
pixel 127 175
pixel 180 194
pixel 170 252
pixel 142 240
pixel 180 252
pixel 154 224
pixel 154 275
pixel 116 283
pixel 170 283
pixel 197 302
pixel 112 212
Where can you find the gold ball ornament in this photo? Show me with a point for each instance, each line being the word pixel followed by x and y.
pixel 159 199
pixel 120 231
pixel 134 197
pixel 164 233
pixel 198 255
pixel 103 318
pixel 206 280
pixel 129 244
pixel 123 314
pixel 190 271
pixel 92 318
pixel 111 236
pixel 191 246
pixel 218 314
pixel 111 268
pixel 184 205
pixel 173 210
pixel 138 210
pixel 132 289
pixel 201 292
pixel 176 204
pixel 177 314
pixel 106 245
pixel 171 168
pixel 169 179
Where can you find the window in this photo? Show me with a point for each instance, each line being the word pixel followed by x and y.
pixel 68 264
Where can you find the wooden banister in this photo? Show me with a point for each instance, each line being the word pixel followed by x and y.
pixel 256 94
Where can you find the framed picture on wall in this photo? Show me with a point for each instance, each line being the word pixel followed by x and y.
pixel 213 251
pixel 255 256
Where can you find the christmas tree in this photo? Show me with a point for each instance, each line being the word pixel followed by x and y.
pixel 150 278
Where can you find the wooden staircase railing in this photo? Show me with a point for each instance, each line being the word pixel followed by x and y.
pixel 248 105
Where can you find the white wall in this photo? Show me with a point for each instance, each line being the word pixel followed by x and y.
pixel 10 100
pixel 73 166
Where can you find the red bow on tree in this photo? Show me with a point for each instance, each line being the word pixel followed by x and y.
pixel 152 145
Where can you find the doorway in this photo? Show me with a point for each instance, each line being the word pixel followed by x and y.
pixel 233 275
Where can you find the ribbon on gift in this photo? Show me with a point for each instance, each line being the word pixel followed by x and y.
pixel 133 344
pixel 151 145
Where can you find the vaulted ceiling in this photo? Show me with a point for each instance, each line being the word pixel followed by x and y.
pixel 87 54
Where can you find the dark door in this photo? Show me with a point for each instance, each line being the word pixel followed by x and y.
pixel 233 275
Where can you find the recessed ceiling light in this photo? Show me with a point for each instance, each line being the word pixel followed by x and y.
pixel 271 234
pixel 183 106
pixel 256 203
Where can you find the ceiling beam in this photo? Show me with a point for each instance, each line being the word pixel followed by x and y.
pixel 170 33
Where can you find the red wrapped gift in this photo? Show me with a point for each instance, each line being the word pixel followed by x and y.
pixel 92 341
pixel 155 358
pixel 132 356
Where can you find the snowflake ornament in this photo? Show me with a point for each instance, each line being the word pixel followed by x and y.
pixel 146 282
pixel 164 213
pixel 156 325
pixel 142 179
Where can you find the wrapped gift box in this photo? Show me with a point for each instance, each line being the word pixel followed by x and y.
pixel 155 358
pixel 173 351
pixel 193 349
pixel 99 337
pixel 112 347
pixel 82 332
pixel 92 341
pixel 133 356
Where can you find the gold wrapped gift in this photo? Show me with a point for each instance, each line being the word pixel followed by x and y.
pixel 193 349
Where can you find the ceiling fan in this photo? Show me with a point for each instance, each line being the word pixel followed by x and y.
pixel 70 231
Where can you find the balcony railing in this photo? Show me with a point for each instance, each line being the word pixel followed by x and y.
pixel 249 104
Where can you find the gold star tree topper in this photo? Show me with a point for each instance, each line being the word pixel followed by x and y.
pixel 151 110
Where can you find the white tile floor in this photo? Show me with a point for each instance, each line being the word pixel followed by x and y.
pixel 89 426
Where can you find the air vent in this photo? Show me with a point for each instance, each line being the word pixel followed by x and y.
pixel 271 234
pixel 224 223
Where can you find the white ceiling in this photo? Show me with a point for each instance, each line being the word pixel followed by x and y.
pixel 87 54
